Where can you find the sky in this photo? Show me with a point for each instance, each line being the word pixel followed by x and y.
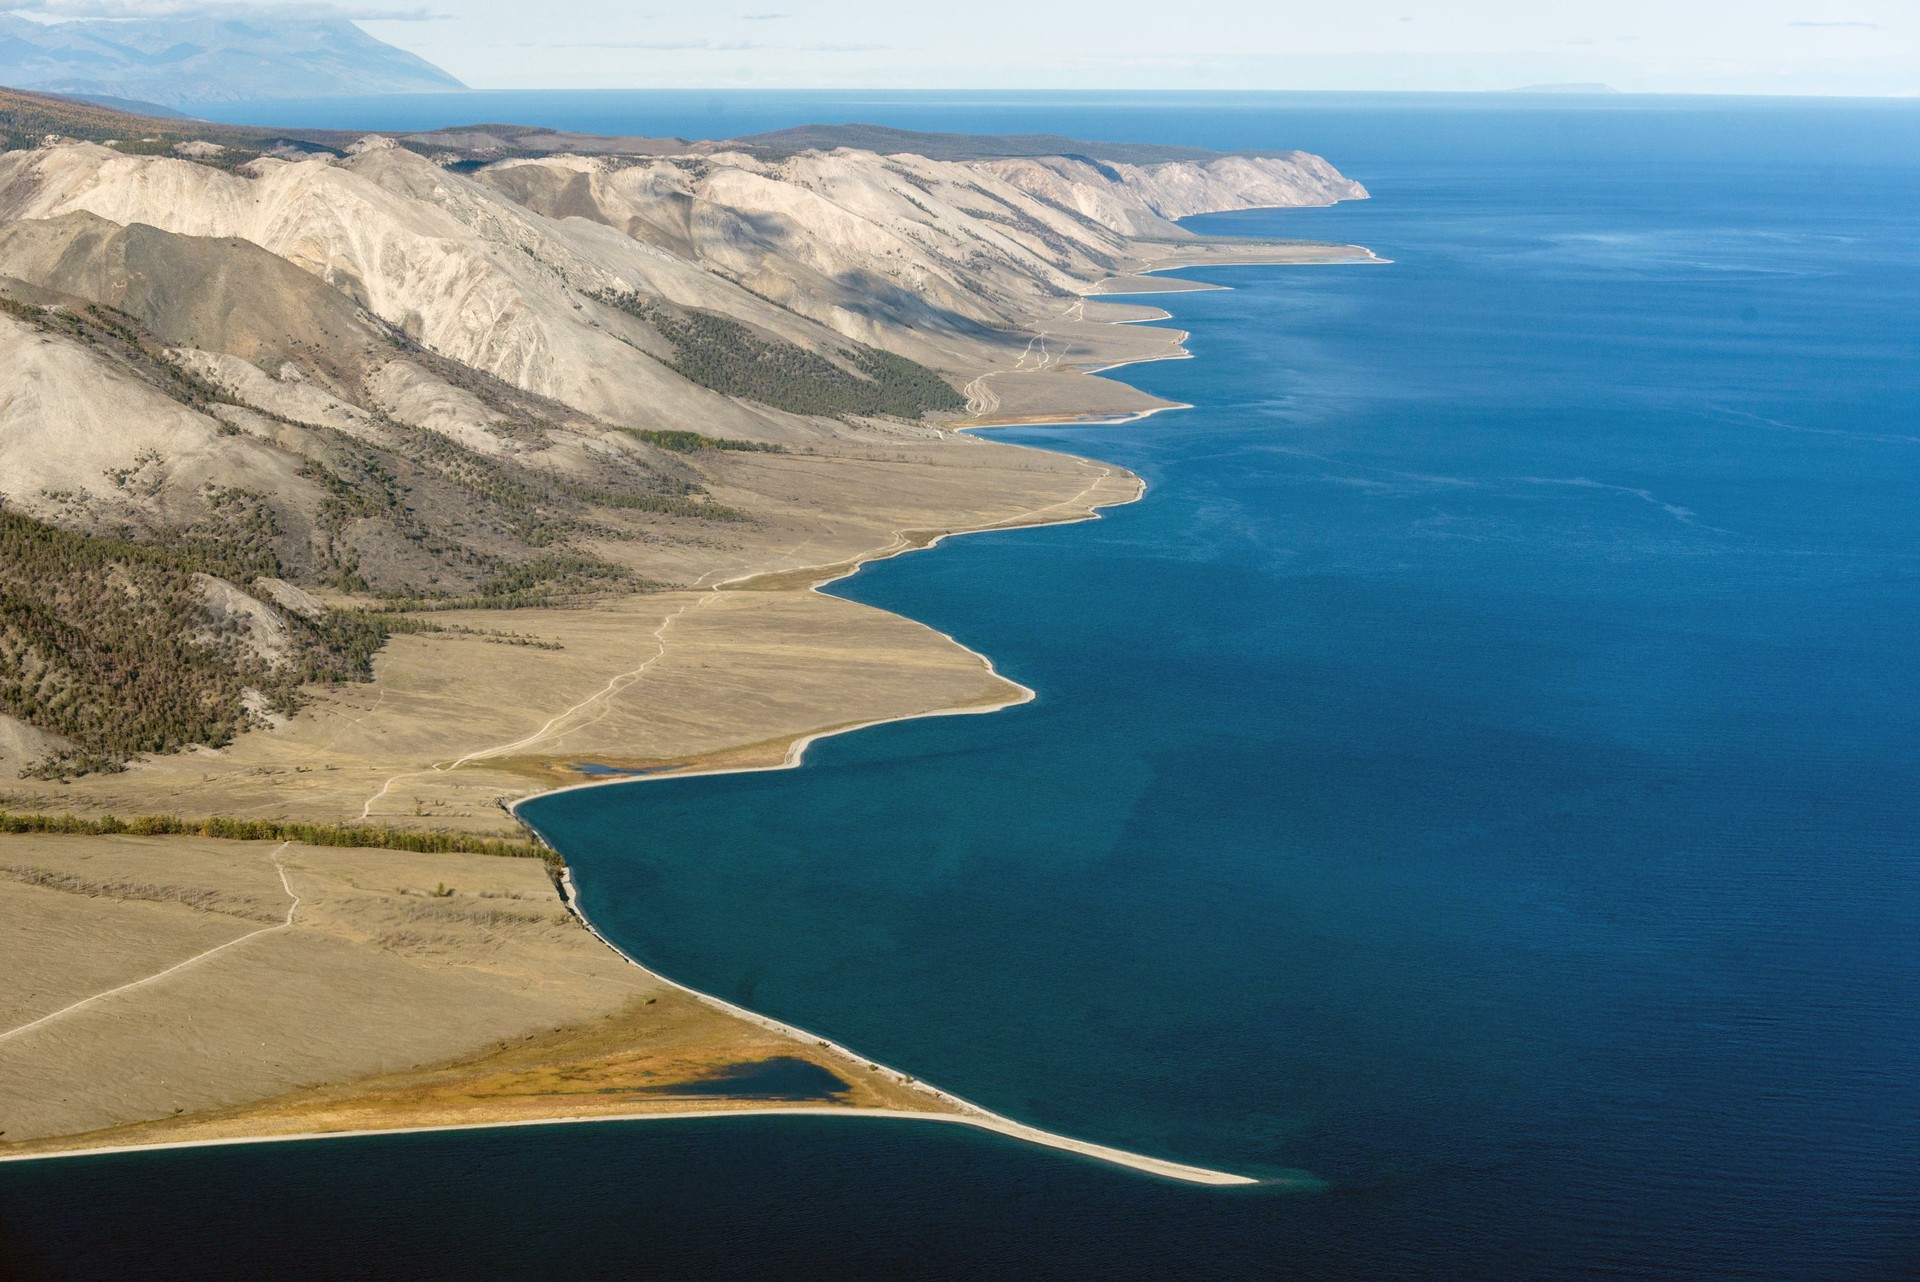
pixel 1683 46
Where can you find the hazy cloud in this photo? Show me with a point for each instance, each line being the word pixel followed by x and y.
pixel 295 12
pixel 711 46
pixel 1726 46
pixel 675 46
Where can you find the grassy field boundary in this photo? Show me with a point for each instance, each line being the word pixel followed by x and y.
pixel 368 836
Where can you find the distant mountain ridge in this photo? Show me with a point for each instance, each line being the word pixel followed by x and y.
pixel 182 61
pixel 886 141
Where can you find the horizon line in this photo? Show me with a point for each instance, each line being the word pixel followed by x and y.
pixel 1517 92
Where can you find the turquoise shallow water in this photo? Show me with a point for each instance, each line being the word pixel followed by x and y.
pixel 1481 772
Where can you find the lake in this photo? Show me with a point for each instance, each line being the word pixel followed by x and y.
pixel 1481 773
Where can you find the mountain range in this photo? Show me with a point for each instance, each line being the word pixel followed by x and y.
pixel 239 368
pixel 180 61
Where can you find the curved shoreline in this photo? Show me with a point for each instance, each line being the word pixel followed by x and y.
pixel 964 1111
pixel 982 1121
pixel 967 1112
pixel 835 571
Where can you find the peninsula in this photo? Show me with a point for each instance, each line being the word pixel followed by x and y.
pixel 358 487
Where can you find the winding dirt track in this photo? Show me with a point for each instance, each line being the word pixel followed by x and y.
pixel 603 696
pixel 294 904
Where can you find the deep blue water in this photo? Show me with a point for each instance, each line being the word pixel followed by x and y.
pixel 1481 773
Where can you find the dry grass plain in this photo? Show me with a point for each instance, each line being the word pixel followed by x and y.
pixel 748 661
pixel 399 989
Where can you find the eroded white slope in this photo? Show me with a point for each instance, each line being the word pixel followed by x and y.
pixel 461 270
pixel 80 436
pixel 506 271
pixel 1140 199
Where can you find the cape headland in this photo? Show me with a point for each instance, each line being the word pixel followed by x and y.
pixel 359 487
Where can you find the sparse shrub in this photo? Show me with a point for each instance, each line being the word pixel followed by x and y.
pixel 726 356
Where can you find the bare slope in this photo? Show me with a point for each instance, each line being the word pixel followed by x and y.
pixel 390 376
